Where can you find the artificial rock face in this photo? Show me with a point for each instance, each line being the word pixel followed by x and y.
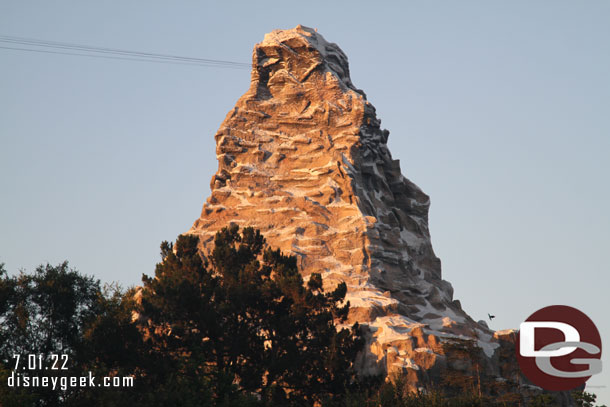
pixel 302 157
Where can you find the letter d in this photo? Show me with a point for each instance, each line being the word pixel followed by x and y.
pixel 527 334
pixel 11 380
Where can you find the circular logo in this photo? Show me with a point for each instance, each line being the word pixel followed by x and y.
pixel 559 348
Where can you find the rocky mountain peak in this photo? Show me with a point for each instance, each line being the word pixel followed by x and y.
pixel 285 56
pixel 303 158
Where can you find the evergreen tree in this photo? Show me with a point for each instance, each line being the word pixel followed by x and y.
pixel 43 314
pixel 244 321
pixel 585 399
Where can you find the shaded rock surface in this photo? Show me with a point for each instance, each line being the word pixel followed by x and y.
pixel 303 158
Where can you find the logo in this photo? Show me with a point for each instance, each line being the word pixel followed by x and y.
pixel 559 348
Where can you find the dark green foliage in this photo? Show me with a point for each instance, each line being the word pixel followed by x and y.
pixel 584 399
pixel 113 346
pixel 59 311
pixel 542 400
pixel 42 314
pixel 395 394
pixel 246 322
pixel 45 312
pixel 238 329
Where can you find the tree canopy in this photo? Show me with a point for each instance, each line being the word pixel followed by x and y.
pixel 239 327
pixel 245 320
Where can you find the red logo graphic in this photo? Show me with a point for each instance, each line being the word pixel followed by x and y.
pixel 559 348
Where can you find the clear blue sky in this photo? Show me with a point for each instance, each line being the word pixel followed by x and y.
pixel 500 111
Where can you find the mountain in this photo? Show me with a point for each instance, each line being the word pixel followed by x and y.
pixel 303 158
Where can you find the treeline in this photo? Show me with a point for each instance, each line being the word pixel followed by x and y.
pixel 239 328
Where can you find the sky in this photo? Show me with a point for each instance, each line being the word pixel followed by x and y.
pixel 497 110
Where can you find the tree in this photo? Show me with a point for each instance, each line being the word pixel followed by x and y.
pixel 584 399
pixel 466 354
pixel 43 313
pixel 113 346
pixel 58 311
pixel 244 322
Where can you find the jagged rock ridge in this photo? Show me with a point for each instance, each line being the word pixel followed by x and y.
pixel 303 158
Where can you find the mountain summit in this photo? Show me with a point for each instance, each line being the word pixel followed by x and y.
pixel 303 158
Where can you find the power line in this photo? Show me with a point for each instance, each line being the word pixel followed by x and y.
pixel 111 57
pixel 88 48
pixel 113 53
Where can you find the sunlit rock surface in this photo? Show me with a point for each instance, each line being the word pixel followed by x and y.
pixel 303 158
